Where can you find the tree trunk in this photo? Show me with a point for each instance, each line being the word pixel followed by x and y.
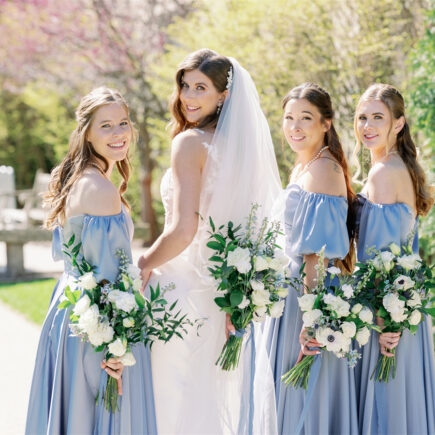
pixel 148 214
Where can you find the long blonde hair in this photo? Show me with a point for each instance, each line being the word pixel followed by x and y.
pixel 406 148
pixel 81 155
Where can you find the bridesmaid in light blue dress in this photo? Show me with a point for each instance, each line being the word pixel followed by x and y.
pixel 68 373
pixel 386 213
pixel 316 212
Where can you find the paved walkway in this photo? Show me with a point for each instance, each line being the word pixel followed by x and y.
pixel 18 344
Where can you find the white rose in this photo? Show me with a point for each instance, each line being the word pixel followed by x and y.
pixel 341 307
pixel 133 272
pixel 392 303
pixel 260 314
pixel 87 281
pixel 280 260
pixel 89 319
pixel 103 333
pixel 245 302
pixel 137 284
pixel 123 301
pixel 334 270
pixel 362 336
pixel 403 282
pixel 256 285
pixel 306 301
pixel 277 309
pixel 128 322
pixel 349 329
pixel 282 292
pixel 117 347
pixel 240 258
pixel 82 305
pixel 399 316
pixel 366 315
pixel 347 290
pixel 356 308
pixel 415 300
pixel 409 262
pixel 414 318
pixel 260 263
pixel 395 249
pixel 311 317
pixel 128 359
pixel 329 299
pixel 260 298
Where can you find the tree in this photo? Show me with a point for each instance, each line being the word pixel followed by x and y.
pixel 74 46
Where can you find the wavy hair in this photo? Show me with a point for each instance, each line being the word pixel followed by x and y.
pixel 216 68
pixel 81 155
pixel 318 97
pixel 406 148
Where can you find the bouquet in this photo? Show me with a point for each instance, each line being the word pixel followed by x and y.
pixel 250 269
pixel 333 315
pixel 113 316
pixel 399 284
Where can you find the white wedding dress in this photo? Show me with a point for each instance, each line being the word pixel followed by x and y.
pixel 192 394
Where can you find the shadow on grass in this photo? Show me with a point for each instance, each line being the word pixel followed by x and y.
pixel 29 298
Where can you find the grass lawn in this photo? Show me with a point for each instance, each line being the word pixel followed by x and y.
pixel 29 298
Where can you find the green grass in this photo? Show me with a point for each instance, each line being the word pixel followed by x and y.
pixel 29 298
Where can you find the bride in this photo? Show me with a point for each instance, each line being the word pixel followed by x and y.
pixel 222 161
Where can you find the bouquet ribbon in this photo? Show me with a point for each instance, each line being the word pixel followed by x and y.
pixel 312 381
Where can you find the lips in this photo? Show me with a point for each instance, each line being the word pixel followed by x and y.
pixel 116 145
pixel 297 138
pixel 191 109
pixel 370 136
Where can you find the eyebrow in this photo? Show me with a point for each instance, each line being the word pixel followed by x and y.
pixel 303 111
pixel 196 84
pixel 110 120
pixel 375 113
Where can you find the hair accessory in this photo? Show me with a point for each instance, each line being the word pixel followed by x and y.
pixel 229 78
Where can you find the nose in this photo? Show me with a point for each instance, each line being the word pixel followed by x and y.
pixel 294 125
pixel 118 130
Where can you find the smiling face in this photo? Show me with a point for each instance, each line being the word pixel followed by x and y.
pixel 199 97
pixel 110 132
pixel 303 126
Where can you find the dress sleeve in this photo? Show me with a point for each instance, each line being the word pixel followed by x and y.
pixel 102 237
pixel 320 220
pixel 383 224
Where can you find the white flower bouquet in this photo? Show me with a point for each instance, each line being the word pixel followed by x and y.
pixel 333 315
pixel 250 269
pixel 398 283
pixel 113 316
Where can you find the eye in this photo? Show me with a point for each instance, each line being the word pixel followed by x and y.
pixel 184 85
pixel 288 117
pixel 123 123
pixel 105 126
pixel 378 117
pixel 306 118
pixel 362 117
pixel 200 88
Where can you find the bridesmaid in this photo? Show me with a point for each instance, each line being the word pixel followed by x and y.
pixel 316 212
pixel 394 196
pixel 83 201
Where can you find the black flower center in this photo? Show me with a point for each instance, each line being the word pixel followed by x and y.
pixel 331 338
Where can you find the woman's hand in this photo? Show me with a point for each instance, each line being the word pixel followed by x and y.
pixel 145 272
pixel 388 341
pixel 114 368
pixel 306 342
pixel 229 327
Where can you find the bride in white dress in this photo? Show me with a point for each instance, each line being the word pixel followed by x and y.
pixel 222 161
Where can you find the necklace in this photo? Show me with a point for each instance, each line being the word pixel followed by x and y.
pixel 307 165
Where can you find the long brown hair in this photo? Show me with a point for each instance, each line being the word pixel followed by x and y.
pixel 406 148
pixel 216 68
pixel 320 98
pixel 81 155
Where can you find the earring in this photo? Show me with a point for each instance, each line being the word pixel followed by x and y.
pixel 219 107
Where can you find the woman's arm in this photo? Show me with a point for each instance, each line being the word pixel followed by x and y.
pixel 187 160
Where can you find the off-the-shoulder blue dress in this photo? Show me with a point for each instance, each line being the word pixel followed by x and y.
pixel 67 374
pixel 312 220
pixel 405 404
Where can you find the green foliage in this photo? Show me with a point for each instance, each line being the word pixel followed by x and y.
pixel 421 104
